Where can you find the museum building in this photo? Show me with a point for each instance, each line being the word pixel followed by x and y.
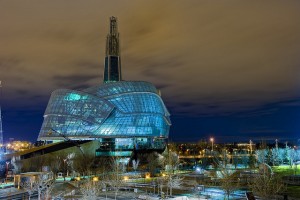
pixel 122 115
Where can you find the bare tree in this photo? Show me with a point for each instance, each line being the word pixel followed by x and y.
pixel 83 163
pixel 135 164
pixel 153 162
pixel 229 181
pixel 55 164
pixel 291 156
pixel 171 160
pixel 44 188
pixel 90 190
pixel 33 164
pixel 17 164
pixel 174 182
pixel 40 185
pixel 115 179
pixel 261 155
pixel 275 156
pixel 281 155
pixel 27 186
pixel 267 185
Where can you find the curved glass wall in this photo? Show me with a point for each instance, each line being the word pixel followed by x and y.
pixel 126 111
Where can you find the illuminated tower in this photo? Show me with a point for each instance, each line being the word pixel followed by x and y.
pixel 112 64
pixel 1 131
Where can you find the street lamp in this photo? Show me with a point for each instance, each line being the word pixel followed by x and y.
pixel 212 143
pixel 95 180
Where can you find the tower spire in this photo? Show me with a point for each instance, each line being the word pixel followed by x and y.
pixel 112 70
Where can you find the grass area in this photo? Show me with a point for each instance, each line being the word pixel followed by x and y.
pixel 293 191
pixel 6 185
pixel 285 170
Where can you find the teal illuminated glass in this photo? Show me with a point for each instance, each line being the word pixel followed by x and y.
pixel 118 110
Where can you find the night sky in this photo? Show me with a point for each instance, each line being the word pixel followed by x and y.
pixel 227 69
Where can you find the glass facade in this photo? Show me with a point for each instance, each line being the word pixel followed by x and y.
pixel 122 115
pixel 112 69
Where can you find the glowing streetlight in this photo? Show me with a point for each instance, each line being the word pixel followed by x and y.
pixel 212 143
pixel 95 179
pixel 147 175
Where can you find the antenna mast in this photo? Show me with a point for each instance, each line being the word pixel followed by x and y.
pixel 112 63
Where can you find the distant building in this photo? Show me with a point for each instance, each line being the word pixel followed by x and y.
pixel 15 146
pixel 122 115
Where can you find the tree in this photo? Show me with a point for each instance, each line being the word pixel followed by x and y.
pixel 83 163
pixel 291 156
pixel 235 160
pixel 39 184
pixel 17 164
pixel 267 185
pixel 90 189
pixel 170 160
pixel 135 164
pixel 225 158
pixel 44 188
pixel 153 162
pixel 34 163
pixel 229 181
pixel 173 182
pixel 115 179
pixel 275 156
pixel 261 155
pixel 281 155
pixel 269 157
pixel 27 186
pixel 55 164
pixel 252 160
pixel 245 160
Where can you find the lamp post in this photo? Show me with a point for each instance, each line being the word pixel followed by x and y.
pixel 95 180
pixel 212 143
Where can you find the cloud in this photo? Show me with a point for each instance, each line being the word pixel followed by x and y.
pixel 72 80
pixel 216 58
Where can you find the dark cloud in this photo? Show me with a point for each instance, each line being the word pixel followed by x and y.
pixel 88 65
pixel 73 80
pixel 81 87
pixel 209 59
pixel 162 86
pixel 22 92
